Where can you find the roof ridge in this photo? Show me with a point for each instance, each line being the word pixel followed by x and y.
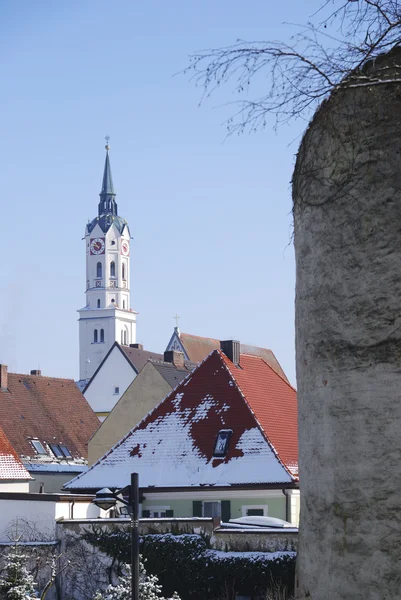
pixel 42 376
pixel 264 433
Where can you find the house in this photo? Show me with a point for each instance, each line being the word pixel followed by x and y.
pixel 13 475
pixel 115 373
pixel 223 442
pixel 195 348
pixel 153 383
pixel 48 423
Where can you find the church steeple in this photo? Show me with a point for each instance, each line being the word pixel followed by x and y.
pixel 107 203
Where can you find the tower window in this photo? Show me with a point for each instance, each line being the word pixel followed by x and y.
pixel 95 336
pixel 102 335
pixel 123 270
pixel 98 303
pixel 125 337
pixel 122 337
pixel 112 269
pixel 99 269
pixel 123 303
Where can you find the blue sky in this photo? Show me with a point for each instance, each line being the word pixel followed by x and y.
pixel 210 215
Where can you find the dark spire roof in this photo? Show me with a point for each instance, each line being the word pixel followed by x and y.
pixel 107 185
pixel 107 204
pixel 107 207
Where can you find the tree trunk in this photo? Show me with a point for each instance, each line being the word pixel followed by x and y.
pixel 347 219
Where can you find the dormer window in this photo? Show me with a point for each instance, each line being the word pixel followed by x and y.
pixel 222 442
pixel 39 448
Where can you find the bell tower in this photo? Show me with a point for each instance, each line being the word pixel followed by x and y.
pixel 107 316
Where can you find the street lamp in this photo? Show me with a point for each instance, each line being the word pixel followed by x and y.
pixel 106 499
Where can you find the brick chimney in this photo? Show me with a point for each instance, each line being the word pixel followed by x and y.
pixel 3 377
pixel 138 346
pixel 36 372
pixel 231 349
pixel 174 357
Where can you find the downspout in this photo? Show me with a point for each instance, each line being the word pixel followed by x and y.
pixel 287 505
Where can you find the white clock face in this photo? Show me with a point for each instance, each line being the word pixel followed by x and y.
pixel 97 246
pixel 125 248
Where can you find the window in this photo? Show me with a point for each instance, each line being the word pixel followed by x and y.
pixel 112 269
pixel 60 451
pixel 95 336
pixel 65 451
pixel 122 337
pixel 40 449
pixel 56 450
pixel 116 390
pixel 98 303
pixel 125 338
pixel 212 509
pixel 222 441
pixel 158 512
pixel 123 270
pixel 123 303
pixel 254 510
pixel 99 270
pixel 102 335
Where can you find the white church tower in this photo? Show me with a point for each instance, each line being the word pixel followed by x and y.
pixel 107 316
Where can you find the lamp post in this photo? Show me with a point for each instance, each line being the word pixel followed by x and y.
pixel 106 499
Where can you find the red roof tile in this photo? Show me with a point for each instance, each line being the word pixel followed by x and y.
pixel 197 348
pixel 10 465
pixel 173 446
pixel 50 409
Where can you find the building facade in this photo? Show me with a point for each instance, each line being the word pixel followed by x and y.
pixel 107 316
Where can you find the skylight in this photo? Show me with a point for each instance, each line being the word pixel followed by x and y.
pixel 222 441
pixel 38 447
pixel 60 451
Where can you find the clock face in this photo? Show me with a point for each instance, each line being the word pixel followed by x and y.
pixel 125 248
pixel 97 246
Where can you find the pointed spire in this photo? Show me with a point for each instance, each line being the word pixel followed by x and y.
pixel 107 184
pixel 107 204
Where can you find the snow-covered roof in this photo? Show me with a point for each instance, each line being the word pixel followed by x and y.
pixel 11 467
pixel 54 467
pixel 174 445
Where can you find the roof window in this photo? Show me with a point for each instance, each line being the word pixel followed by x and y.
pixel 60 451
pixel 39 448
pixel 222 441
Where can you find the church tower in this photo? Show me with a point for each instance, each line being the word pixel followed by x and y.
pixel 107 316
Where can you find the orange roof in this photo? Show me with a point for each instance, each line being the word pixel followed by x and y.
pixel 51 409
pixel 10 465
pixel 274 403
pixel 197 348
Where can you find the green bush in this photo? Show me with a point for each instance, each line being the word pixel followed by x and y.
pixel 185 564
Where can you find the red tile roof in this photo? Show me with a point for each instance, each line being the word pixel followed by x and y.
pixel 197 348
pixel 11 467
pixel 274 403
pixel 50 409
pixel 173 446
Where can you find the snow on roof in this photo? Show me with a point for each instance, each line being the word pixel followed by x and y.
pixel 11 466
pixel 54 467
pixel 173 446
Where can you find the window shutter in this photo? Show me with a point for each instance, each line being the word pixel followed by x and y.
pixel 146 514
pixel 197 508
pixel 169 513
pixel 225 510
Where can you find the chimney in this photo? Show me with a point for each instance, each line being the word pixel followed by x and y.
pixel 36 372
pixel 174 357
pixel 137 346
pixel 231 349
pixel 3 377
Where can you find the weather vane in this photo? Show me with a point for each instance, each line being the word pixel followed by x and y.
pixel 107 138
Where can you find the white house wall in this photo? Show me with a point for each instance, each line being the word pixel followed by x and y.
pixel 115 372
